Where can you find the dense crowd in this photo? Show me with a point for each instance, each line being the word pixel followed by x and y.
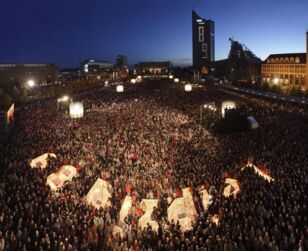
pixel 147 143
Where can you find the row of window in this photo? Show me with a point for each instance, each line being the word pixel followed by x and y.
pixel 286 76
pixel 201 40
pixel 303 66
pixel 283 60
pixel 284 71
pixel 201 33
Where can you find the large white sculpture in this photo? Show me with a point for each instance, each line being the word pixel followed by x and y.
pixel 57 179
pixel 76 110
pixel 99 194
pixel 41 161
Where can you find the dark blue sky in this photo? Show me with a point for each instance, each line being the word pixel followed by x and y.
pixel 68 31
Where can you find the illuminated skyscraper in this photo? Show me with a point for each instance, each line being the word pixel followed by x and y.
pixel 203 41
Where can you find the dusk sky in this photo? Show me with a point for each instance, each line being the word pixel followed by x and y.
pixel 68 31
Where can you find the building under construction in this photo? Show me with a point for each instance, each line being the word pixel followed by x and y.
pixel 241 65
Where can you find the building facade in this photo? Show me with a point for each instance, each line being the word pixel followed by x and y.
pixel 203 41
pixel 95 70
pixel 19 74
pixel 285 70
pixel 91 66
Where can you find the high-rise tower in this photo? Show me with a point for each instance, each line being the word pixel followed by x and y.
pixel 203 41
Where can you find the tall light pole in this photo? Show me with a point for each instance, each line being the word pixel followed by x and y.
pixel 65 98
pixel 31 83
pixel 201 123
pixel 209 106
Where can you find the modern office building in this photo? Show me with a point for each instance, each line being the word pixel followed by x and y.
pixel 203 41
pixel 21 73
pixel 287 70
pixel 91 66
pixel 121 61
pixel 94 70
pixel 69 74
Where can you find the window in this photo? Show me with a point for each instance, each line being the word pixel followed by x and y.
pixel 201 34
pixel 204 50
pixel 297 60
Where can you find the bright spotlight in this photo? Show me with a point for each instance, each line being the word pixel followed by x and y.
pixel 176 80
pixel 31 83
pixel 188 87
pixel 76 110
pixel 133 81
pixel 170 76
pixel 65 98
pixel 120 88
pixel 276 81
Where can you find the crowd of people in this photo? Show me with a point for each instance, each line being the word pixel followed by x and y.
pixel 147 143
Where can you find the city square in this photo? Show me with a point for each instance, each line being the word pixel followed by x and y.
pixel 150 125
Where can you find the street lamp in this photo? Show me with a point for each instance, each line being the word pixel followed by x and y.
pixel 120 88
pixel 188 87
pixel 31 83
pixel 276 81
pixel 209 106
pixel 65 98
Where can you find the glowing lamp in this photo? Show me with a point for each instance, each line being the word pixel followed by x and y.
pixel 176 80
pixel 31 83
pixel 133 81
pixel 86 68
pixel 188 87
pixel 276 81
pixel 65 98
pixel 120 88
pixel 170 76
pixel 76 110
